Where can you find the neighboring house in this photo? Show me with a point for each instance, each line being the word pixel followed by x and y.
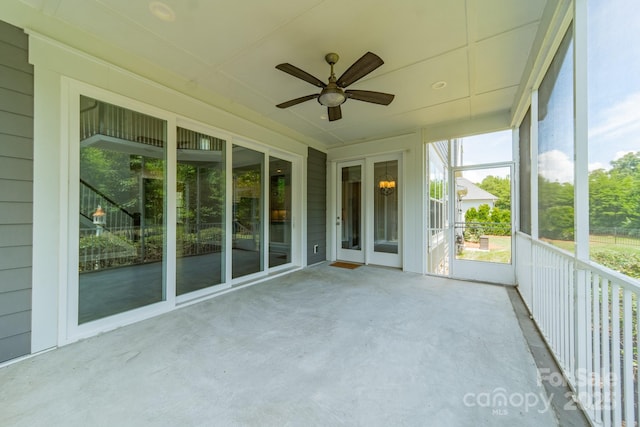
pixel 471 196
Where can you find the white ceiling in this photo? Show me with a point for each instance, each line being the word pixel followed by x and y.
pixel 478 47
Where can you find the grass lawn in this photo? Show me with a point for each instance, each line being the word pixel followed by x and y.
pixel 499 250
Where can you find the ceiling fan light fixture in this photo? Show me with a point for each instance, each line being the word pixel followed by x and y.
pixel 332 96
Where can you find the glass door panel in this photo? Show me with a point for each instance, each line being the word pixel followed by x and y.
pixel 247 238
pixel 385 200
pixel 122 210
pixel 383 211
pixel 483 226
pixel 438 232
pixel 279 212
pixel 200 201
pixel 350 218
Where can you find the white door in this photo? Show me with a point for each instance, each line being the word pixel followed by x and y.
pixel 483 227
pixel 350 219
pixel 384 206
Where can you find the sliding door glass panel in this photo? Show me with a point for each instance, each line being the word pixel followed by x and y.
pixel 122 234
pixel 279 212
pixel 385 200
pixel 200 197
pixel 248 169
pixel 351 207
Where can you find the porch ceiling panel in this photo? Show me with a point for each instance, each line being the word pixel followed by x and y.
pixel 231 48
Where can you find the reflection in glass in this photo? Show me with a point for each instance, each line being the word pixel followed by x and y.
pixel 351 207
pixel 122 209
pixel 279 212
pixel 555 148
pixel 385 199
pixel 247 202
pixel 200 218
pixel 613 56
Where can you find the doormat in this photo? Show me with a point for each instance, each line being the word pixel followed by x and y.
pixel 348 265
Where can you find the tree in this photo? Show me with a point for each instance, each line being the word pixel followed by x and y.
pixel 499 187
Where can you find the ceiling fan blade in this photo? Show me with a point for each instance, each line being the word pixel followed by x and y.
pixel 303 75
pixel 359 69
pixel 296 101
pixel 335 113
pixel 370 96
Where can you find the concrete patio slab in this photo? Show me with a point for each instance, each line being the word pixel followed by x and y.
pixel 323 346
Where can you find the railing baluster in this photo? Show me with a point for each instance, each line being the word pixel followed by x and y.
pixel 615 355
pixel 606 360
pixel 627 344
pixel 595 332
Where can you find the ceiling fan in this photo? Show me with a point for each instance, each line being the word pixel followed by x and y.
pixel 333 94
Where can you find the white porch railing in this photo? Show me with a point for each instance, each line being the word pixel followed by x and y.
pixel 589 317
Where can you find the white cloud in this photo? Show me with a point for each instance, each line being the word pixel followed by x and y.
pixel 596 166
pixel 622 119
pixel 555 166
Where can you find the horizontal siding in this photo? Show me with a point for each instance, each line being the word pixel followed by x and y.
pixel 16 279
pixel 16 124
pixel 15 324
pixel 15 302
pixel 15 257
pixel 15 346
pixel 16 80
pixel 16 192
pixel 16 213
pixel 15 57
pixel 16 102
pixel 15 235
pixel 13 36
pixel 16 169
pixel 16 146
pixel 316 205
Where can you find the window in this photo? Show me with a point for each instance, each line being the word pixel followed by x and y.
pixel 614 124
pixel 555 149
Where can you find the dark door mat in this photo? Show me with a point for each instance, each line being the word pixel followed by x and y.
pixel 348 265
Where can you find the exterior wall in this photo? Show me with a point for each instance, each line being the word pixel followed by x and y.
pixel 16 192
pixel 316 206
pixel 60 72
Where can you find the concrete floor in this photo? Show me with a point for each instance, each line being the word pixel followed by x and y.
pixel 324 346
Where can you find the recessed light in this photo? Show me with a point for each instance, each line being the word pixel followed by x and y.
pixel 439 85
pixel 162 11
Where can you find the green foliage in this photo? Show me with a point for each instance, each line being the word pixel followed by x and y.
pixel 623 262
pixel 555 207
pixel 486 220
pixel 499 187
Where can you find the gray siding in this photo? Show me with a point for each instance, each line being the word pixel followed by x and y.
pixel 16 192
pixel 316 206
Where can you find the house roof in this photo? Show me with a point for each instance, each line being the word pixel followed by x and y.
pixel 446 61
pixel 473 191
